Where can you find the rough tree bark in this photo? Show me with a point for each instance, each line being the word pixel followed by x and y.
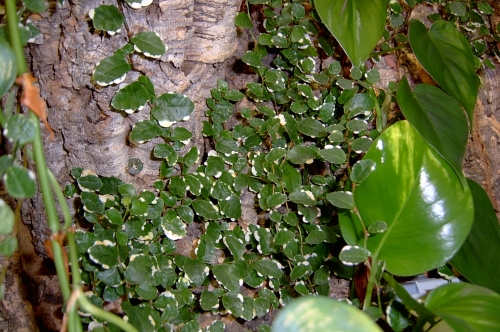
pixel 202 45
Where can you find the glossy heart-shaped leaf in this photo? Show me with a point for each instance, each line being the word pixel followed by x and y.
pixel 438 118
pixel 356 24
pixel 418 195
pixel 466 307
pixel 321 314
pixel 446 55
pixel 477 259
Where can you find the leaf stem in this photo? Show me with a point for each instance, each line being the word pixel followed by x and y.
pixel 107 316
pixel 15 37
pixel 371 283
pixel 374 54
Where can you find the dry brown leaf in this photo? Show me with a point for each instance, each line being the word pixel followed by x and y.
pixel 31 99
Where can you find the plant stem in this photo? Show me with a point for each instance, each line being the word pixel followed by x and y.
pixel 61 199
pixel 374 54
pixel 371 282
pixel 107 316
pixel 15 37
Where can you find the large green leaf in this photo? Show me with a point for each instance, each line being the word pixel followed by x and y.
pixel 356 24
pixel 171 108
pixel 428 211
pixel 438 118
pixel 466 307
pixel 477 259
pixel 321 314
pixel 446 55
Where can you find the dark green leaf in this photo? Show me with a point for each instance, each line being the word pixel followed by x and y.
pixel 242 20
pixel 224 275
pixel 205 209
pixel 446 55
pixel 131 98
pixel 139 269
pixel 144 131
pixel 267 267
pixel 149 44
pixel 477 258
pixel 341 199
pixel 333 154
pixel 35 6
pixel 104 253
pixel 171 108
pixel 438 118
pixel 107 18
pixel 361 170
pixel 7 218
pixel 352 255
pixel 111 70
pixel 302 154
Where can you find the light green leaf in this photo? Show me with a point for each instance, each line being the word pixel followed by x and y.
pixel 111 70
pixel 7 218
pixel 356 24
pixel 465 307
pixel 425 207
pixel 149 44
pixel 352 255
pixel 171 108
pixel 361 170
pixel 234 95
pixel 242 20
pixel 319 314
pixel 107 18
pixel 446 55
pixel 131 98
pixel 104 253
pixel 438 118
pixel 19 129
pixel 341 199
pixel 19 182
pixel 477 258
pixel 8 67
pixel 377 227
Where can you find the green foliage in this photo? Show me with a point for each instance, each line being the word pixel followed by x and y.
pixel 313 155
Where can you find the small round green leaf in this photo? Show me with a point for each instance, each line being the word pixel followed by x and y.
pixel 107 18
pixel 341 199
pixel 361 170
pixel 104 253
pixel 8 67
pixel 144 131
pixel 149 44
pixel 7 218
pixel 20 182
pixel 352 255
pixel 19 129
pixel 172 107
pixel 111 70
pixel 242 20
pixel 131 98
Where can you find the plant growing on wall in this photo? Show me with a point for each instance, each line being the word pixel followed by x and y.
pixel 337 181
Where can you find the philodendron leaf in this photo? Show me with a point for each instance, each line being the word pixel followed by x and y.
pixel 8 67
pixel 447 56
pixel 356 24
pixel 320 314
pixel 465 307
pixel 107 18
pixel 149 44
pixel 427 210
pixel 477 259
pixel 172 107
pixel 111 70
pixel 131 98
pixel 438 118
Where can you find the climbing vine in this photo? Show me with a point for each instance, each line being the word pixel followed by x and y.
pixel 340 186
